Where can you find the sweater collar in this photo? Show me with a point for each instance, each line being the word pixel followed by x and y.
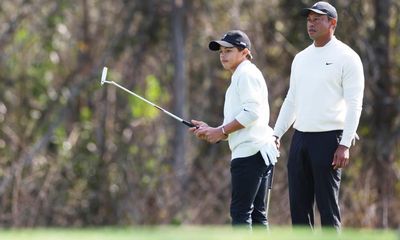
pixel 333 39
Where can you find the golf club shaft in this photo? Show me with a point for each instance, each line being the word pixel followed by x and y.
pixel 269 187
pixel 271 178
pixel 187 123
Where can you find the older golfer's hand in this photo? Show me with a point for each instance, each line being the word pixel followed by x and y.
pixel 341 157
pixel 277 142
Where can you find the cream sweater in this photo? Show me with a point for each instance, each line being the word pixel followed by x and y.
pixel 325 93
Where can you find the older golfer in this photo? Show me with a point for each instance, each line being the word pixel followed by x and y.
pixel 324 102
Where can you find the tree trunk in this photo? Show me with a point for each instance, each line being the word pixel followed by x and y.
pixel 385 113
pixel 179 93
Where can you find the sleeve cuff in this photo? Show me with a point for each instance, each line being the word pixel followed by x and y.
pixel 245 118
pixel 345 142
pixel 277 134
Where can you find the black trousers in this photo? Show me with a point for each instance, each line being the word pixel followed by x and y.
pixel 249 183
pixel 311 176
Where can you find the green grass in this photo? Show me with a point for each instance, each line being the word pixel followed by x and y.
pixel 190 232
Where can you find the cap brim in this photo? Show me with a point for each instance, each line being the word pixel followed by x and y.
pixel 215 45
pixel 306 11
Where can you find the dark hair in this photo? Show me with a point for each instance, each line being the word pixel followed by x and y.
pixel 248 56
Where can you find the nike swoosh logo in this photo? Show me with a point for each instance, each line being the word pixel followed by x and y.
pixel 328 63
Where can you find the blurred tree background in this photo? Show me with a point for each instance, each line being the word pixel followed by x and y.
pixel 73 153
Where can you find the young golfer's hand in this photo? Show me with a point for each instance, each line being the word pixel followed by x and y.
pixel 195 130
pixel 207 133
pixel 341 157
pixel 199 123
pixel 212 135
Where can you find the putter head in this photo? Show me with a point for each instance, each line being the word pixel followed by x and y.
pixel 103 75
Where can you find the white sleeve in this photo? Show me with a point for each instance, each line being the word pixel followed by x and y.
pixel 250 97
pixel 287 114
pixel 353 89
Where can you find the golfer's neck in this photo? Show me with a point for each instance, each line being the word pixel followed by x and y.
pixel 322 41
pixel 233 69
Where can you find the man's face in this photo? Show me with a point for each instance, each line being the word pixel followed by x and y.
pixel 231 57
pixel 319 26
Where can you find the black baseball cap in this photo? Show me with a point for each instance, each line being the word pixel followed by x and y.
pixel 233 38
pixel 323 8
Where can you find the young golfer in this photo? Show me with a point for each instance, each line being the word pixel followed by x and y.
pixel 245 126
pixel 324 102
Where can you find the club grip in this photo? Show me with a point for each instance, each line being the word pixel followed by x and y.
pixel 189 124
pixel 270 177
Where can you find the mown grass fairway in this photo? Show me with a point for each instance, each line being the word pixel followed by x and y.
pixel 188 232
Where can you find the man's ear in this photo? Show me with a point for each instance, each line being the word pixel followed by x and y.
pixel 333 22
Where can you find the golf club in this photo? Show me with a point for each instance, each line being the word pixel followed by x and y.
pixel 269 187
pixel 104 80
